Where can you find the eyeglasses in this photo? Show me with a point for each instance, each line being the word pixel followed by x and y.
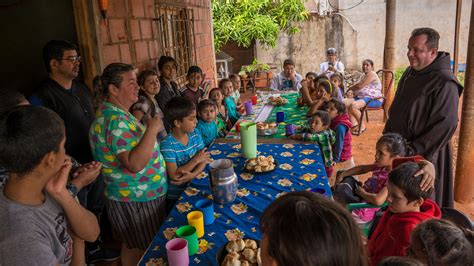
pixel 72 59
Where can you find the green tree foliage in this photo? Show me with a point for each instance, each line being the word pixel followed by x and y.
pixel 243 21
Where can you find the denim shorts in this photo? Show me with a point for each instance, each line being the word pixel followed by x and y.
pixel 372 104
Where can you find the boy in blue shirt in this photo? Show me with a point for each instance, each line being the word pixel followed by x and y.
pixel 207 125
pixel 183 149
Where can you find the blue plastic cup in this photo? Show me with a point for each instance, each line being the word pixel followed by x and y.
pixel 280 117
pixel 207 208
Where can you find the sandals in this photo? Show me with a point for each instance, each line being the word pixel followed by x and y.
pixel 355 130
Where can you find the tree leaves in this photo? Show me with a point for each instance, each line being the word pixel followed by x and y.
pixel 243 21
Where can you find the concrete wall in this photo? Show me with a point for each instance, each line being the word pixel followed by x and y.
pixel 363 32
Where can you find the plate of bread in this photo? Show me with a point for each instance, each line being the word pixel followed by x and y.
pixel 260 165
pixel 240 252
pixel 277 100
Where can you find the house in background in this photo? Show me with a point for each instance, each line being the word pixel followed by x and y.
pixel 136 32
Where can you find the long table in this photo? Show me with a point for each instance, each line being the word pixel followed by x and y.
pixel 264 112
pixel 300 167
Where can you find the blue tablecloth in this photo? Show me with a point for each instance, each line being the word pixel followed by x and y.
pixel 300 167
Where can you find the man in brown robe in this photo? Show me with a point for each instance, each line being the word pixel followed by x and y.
pixel 425 108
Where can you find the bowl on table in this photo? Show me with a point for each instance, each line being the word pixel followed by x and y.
pixel 267 129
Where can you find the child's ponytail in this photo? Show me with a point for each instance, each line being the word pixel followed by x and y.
pixel 395 143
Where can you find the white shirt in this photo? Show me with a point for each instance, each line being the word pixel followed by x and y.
pixel 281 82
pixel 323 68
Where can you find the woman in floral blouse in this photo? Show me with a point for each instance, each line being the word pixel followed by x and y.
pixel 368 88
pixel 133 167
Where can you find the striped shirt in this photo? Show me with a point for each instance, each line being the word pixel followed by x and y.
pixel 175 152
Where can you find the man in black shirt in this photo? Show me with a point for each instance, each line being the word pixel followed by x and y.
pixel 71 100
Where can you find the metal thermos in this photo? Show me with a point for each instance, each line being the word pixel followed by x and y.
pixel 224 182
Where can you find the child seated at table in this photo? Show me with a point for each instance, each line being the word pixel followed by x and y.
pixel 193 90
pixel 309 80
pixel 305 228
pixel 374 191
pixel 310 76
pixel 183 150
pixel 407 207
pixel 319 132
pixel 325 91
pixel 42 224
pixel 235 79
pixel 207 125
pixel 227 89
pixel 439 242
pixel 222 120
pixel 341 125
pixel 308 91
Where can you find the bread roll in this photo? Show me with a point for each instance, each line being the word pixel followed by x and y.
pixel 250 255
pixel 249 243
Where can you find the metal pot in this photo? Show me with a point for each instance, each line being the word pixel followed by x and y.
pixel 224 182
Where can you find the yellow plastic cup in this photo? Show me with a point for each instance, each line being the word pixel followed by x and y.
pixel 196 219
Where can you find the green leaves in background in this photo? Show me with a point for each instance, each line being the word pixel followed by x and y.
pixel 243 21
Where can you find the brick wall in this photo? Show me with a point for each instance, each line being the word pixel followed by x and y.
pixel 131 34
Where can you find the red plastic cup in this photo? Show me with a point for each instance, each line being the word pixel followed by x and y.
pixel 237 126
pixel 254 99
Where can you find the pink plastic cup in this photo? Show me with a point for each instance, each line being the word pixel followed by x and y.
pixel 177 252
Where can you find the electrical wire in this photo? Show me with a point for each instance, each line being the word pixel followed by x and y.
pixel 344 9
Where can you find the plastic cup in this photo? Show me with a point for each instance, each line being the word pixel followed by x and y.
pixel 319 190
pixel 248 107
pixel 254 99
pixel 177 252
pixel 290 129
pixel 280 117
pixel 188 232
pixel 237 126
pixel 207 209
pixel 196 219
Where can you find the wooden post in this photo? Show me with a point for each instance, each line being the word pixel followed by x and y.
pixel 89 38
pixel 456 37
pixel 389 47
pixel 464 183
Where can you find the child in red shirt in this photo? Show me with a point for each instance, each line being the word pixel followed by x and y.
pixel 408 206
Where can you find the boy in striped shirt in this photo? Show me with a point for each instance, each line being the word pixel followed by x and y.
pixel 183 149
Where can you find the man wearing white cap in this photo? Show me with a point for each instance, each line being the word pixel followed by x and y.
pixel 332 65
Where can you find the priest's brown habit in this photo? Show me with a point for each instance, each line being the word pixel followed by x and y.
pixel 425 112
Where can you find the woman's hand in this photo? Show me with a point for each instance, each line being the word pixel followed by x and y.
pixel 155 124
pixel 86 174
pixel 428 173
